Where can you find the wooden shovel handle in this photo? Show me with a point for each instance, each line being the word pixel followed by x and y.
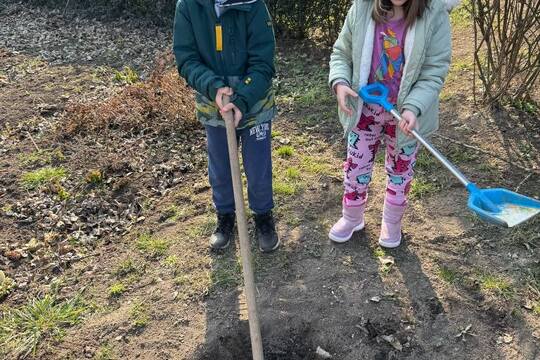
pixel 245 246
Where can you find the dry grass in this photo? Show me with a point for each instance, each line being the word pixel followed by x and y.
pixel 163 102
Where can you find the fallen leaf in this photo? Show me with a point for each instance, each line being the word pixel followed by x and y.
pixel 393 341
pixel 13 255
pixel 376 299
pixel 387 260
pixel 323 353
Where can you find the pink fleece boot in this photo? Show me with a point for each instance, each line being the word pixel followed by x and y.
pixel 352 220
pixel 391 225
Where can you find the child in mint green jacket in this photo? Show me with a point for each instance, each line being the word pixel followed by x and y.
pixel 406 45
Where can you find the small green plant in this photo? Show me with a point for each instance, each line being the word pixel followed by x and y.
pixel 6 285
pixel 23 328
pixel 529 107
pixel 425 161
pixel 171 261
pixel 125 268
pixel 94 177
pixel 62 193
pixel 276 133
pixel 139 315
pixel 448 275
pixel 285 151
pixel 117 289
pixel 127 75
pixel 105 352
pixel 315 166
pixel 536 309
pixel 460 17
pixel 41 157
pixel 496 285
pixel 284 189
pixel 292 173
pixel 193 285
pixel 421 188
pixel 227 273
pixel 152 246
pixel 379 252
pixel 38 178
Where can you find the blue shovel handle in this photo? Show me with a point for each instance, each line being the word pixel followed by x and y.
pixel 376 93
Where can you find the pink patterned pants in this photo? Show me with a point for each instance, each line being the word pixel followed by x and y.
pixel 374 125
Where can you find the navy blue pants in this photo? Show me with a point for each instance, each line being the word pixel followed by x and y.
pixel 257 159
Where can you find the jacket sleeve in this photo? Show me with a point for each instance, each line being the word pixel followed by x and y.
pixel 341 62
pixel 427 88
pixel 260 68
pixel 190 65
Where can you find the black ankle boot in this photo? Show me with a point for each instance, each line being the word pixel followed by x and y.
pixel 221 238
pixel 265 232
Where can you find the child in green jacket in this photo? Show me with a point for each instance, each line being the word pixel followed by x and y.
pixel 406 45
pixel 226 47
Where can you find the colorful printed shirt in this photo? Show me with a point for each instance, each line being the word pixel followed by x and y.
pixel 388 57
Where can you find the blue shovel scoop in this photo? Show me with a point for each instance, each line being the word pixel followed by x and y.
pixel 498 206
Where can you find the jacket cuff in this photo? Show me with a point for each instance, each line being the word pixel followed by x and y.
pixel 414 109
pixel 240 104
pixel 337 82
pixel 216 85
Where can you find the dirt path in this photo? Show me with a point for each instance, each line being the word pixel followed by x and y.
pixel 132 242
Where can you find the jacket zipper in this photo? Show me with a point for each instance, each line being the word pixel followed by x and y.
pixel 219 24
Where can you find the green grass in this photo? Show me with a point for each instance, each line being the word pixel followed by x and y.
pixel 460 155
pixel 6 285
pixel 48 175
pixel 425 161
pixel 421 188
pixel 41 157
pixel 62 193
pixel 536 309
pixel 22 329
pixel 193 285
pixel 226 272
pixel 117 289
pixel 283 188
pixel 379 252
pixel 496 285
pixel 285 151
pixel 448 275
pixel 292 173
pixel 460 17
pixel 202 229
pixel 105 352
pixel 152 246
pixel 529 107
pixel 171 261
pixel 127 75
pixel 276 133
pixel 138 315
pixel 127 267
pixel 94 177
pixel 315 166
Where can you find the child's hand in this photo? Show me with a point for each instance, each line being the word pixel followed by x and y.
pixel 408 123
pixel 342 91
pixel 220 93
pixel 236 112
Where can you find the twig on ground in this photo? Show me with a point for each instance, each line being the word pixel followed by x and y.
pixel 523 182
pixel 31 138
pixel 485 152
pixel 65 8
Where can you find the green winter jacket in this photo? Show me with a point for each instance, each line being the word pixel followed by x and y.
pixel 236 50
pixel 427 59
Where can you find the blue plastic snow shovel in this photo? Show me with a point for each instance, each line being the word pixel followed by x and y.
pixel 498 206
